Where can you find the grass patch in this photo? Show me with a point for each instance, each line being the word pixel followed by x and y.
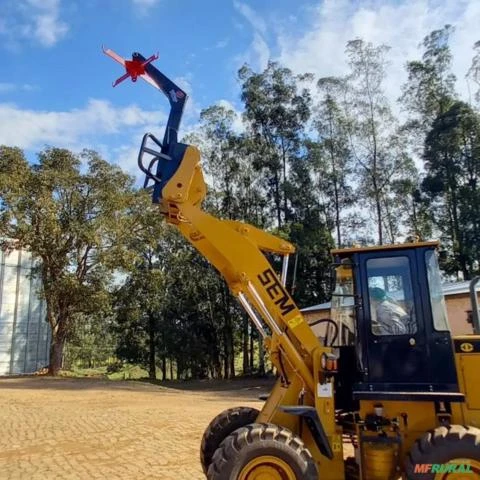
pixel 76 372
pixel 127 372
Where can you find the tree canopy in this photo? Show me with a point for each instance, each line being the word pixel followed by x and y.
pixel 321 162
pixel 77 223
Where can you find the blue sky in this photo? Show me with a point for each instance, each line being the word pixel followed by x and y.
pixel 200 44
pixel 55 83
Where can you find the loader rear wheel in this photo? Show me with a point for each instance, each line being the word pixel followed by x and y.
pixel 221 427
pixel 445 446
pixel 262 452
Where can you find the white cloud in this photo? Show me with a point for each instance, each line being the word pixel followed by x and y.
pixel 114 132
pixel 32 20
pixel 467 33
pixel 192 107
pixel 7 87
pixel 145 3
pixel 222 43
pixel 251 16
pixel 126 154
pixel 400 24
pixel 184 82
pixel 78 128
pixel 48 29
pixel 12 87
pixel 142 7
pixel 126 157
pixel 237 125
pixel 258 53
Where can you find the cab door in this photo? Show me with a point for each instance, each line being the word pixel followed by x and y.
pixel 443 373
pixel 393 326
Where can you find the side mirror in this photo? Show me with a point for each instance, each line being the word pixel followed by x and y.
pixel 340 271
pixel 333 278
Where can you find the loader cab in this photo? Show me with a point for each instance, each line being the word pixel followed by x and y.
pixel 389 307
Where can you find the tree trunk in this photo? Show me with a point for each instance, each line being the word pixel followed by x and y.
pixel 215 362
pixel 171 369
pixel 56 353
pixel 389 221
pixel 335 179
pixel 164 368
pixel 416 227
pixel 261 361
pixel 278 199
pixel 460 245
pixel 232 351
pixel 226 363
pixel 252 352
pixel 378 211
pixel 227 335
pixel 152 372
pixel 218 364
pixel 284 182
pixel 245 345
pixel 337 218
pixel 57 322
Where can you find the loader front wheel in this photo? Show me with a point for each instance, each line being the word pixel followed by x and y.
pixel 221 427
pixel 453 451
pixel 262 452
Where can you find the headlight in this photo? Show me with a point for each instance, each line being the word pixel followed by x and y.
pixel 323 361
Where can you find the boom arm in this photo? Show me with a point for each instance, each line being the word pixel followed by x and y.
pixel 235 250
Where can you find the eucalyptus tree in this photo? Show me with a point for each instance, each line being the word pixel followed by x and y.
pixel 474 70
pixel 430 87
pixel 378 155
pixel 277 108
pixel 452 163
pixel 332 159
pixel 76 221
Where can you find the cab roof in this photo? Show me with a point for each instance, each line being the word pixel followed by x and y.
pixel 380 248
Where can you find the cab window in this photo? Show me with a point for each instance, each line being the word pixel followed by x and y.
pixel 390 293
pixel 437 300
pixel 342 306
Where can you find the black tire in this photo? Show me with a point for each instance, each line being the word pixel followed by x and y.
pixel 257 440
pixel 442 445
pixel 221 427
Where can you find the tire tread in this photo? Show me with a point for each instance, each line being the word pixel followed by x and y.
pixel 445 436
pixel 221 427
pixel 258 432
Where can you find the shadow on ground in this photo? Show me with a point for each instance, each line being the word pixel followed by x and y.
pixel 244 387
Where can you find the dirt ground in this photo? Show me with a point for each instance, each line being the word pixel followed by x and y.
pixel 98 429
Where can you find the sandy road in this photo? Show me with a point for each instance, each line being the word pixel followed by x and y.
pixel 97 429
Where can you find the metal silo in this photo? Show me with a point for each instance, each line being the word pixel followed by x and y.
pixel 24 332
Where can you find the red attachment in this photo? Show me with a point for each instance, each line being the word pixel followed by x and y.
pixel 135 68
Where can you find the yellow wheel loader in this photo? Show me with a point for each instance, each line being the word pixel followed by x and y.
pixel 385 380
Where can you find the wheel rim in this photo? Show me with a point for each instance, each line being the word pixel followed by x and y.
pixel 474 469
pixel 267 468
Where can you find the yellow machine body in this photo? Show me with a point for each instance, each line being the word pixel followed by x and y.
pixel 382 391
pixel 467 360
pixel 305 377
